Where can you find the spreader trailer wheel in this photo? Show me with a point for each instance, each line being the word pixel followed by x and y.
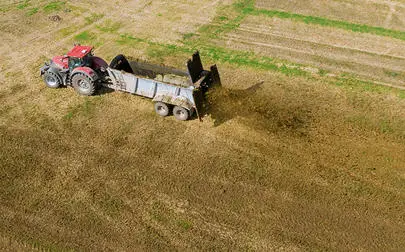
pixel 181 113
pixel 162 109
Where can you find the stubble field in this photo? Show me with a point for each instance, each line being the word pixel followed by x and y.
pixel 302 149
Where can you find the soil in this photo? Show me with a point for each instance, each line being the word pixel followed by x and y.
pixel 279 163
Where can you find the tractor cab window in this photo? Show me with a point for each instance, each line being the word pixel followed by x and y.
pixel 74 62
pixel 87 60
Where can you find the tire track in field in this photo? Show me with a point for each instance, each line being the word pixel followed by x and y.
pixel 303 57
pixel 388 2
pixel 340 53
pixel 381 60
pixel 309 33
pixel 323 50
pixel 385 13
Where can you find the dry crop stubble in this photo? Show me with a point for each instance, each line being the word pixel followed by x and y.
pixel 292 163
pixel 387 14
pixel 323 47
pixel 229 173
pixel 161 21
pixel 112 141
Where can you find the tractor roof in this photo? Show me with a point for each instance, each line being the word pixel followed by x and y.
pixel 79 51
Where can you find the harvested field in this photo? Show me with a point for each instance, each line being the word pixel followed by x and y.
pixel 283 160
pixel 373 57
pixel 388 14
pixel 163 21
pixel 316 164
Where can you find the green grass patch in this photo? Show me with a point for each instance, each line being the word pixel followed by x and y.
pixel 228 19
pixel 109 26
pixel 32 11
pixel 186 225
pixel 23 5
pixel 292 70
pixel 94 17
pixel 126 39
pixel 250 59
pixel 85 109
pixel 85 36
pixel 68 30
pixel 392 74
pixel 356 85
pixel 77 9
pixel 386 127
pixel 158 50
pixel 89 38
pixel 54 6
pixel 69 115
pixel 188 35
pixel 378 123
pixel 245 6
pixel 328 22
pixel 323 72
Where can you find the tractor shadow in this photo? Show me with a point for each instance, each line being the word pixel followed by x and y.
pixel 258 109
pixel 103 90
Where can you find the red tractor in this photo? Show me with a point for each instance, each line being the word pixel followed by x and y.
pixel 78 68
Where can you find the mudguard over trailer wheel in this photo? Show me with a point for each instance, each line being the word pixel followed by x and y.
pixel 83 84
pixel 52 80
pixel 162 109
pixel 181 113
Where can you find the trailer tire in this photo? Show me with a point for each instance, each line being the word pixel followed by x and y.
pixel 83 84
pixel 52 80
pixel 162 109
pixel 181 113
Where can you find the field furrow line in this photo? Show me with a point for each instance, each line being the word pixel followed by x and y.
pixel 387 2
pixel 374 73
pixel 373 13
pixel 327 51
pixel 262 32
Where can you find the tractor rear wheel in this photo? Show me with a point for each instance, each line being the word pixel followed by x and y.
pixel 180 113
pixel 83 84
pixel 162 109
pixel 52 80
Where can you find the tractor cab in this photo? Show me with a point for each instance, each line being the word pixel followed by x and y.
pixel 79 56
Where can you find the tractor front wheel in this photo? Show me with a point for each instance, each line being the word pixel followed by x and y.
pixel 52 80
pixel 83 84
